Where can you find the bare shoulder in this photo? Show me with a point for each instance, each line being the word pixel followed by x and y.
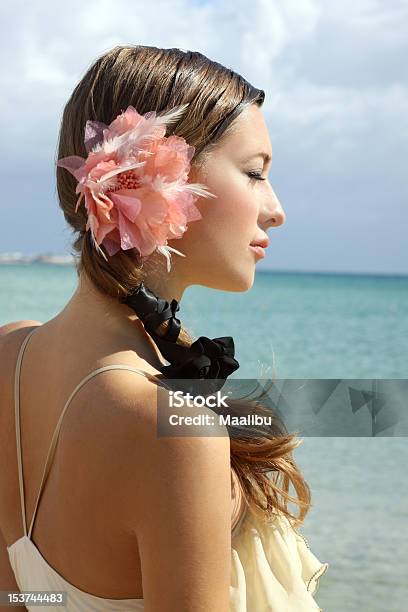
pixel 9 334
pixel 142 397
pixel 9 327
pixel 135 405
pixel 179 509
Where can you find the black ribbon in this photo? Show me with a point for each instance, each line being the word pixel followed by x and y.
pixel 204 359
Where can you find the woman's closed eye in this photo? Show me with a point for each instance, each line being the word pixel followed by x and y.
pixel 257 176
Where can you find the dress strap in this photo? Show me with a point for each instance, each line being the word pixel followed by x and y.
pixel 54 439
pixel 17 424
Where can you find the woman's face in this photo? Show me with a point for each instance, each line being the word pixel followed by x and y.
pixel 216 247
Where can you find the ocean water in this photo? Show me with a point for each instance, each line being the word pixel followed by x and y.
pixel 295 325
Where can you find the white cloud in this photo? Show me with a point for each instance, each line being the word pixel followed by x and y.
pixel 385 19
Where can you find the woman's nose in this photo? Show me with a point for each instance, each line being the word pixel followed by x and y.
pixel 278 216
pixel 273 213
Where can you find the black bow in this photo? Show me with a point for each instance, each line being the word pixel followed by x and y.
pixel 204 359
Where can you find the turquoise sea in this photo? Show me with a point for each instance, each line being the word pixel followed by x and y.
pixel 298 325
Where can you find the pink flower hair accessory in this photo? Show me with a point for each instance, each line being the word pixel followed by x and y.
pixel 135 183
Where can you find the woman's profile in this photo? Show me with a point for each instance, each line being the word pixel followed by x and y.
pixel 162 175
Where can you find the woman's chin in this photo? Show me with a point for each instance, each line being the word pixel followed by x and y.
pixel 246 282
pixel 225 275
pixel 244 276
pixel 235 282
pixel 239 280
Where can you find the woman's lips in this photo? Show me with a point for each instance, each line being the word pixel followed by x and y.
pixel 260 251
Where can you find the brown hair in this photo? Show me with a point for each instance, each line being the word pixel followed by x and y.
pixel 151 78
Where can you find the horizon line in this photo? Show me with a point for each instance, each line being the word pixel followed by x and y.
pixel 42 260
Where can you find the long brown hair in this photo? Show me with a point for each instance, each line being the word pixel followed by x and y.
pixel 151 78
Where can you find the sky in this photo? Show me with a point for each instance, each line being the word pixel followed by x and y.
pixel 336 109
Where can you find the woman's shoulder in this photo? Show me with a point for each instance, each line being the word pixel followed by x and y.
pixel 11 336
pixel 10 332
pixel 154 414
pixel 9 327
pixel 193 470
pixel 124 405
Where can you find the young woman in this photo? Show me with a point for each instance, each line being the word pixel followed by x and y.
pixel 163 176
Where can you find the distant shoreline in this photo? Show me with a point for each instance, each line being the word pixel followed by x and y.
pixel 68 260
pixel 47 258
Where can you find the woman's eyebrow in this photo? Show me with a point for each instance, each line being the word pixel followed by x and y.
pixel 266 157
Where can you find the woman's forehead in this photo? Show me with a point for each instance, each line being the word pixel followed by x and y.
pixel 248 136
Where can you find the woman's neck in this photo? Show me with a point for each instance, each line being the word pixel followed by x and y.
pixel 91 314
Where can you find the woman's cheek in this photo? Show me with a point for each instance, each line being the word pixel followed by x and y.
pixel 234 206
pixel 244 208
